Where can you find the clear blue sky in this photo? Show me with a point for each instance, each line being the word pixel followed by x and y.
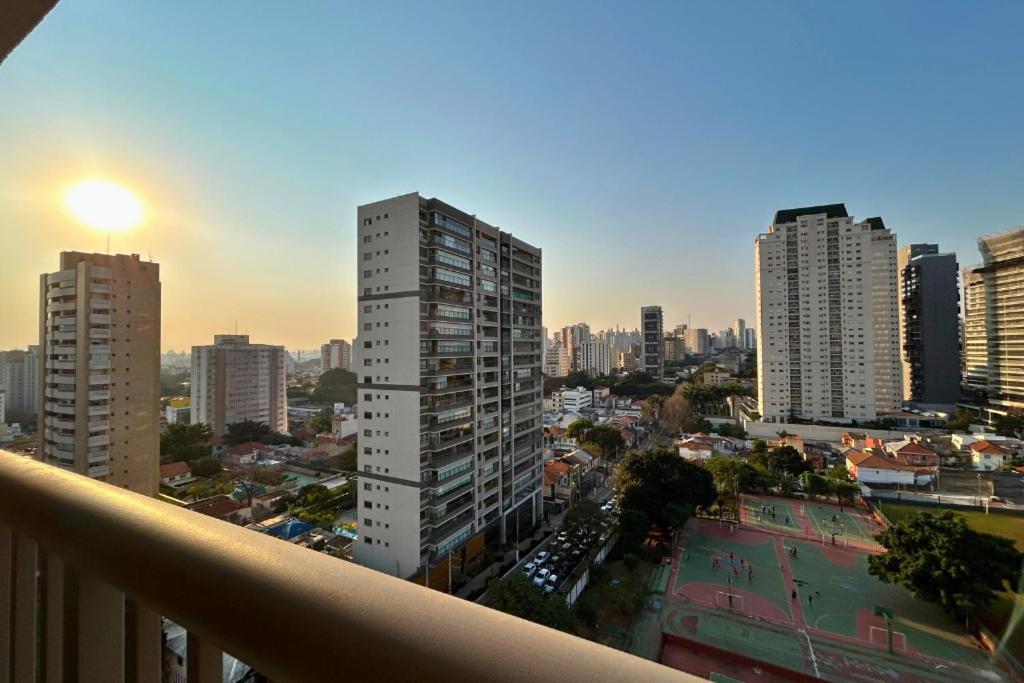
pixel 642 145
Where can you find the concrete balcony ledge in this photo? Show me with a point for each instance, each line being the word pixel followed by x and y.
pixel 330 619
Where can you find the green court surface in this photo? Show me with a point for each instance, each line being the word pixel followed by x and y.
pixel 734 633
pixel 696 566
pixel 722 678
pixel 855 527
pixel 841 592
pixel 785 519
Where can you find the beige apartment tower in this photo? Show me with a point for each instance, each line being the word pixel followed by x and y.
pixel 336 353
pixel 99 369
pixel 233 381
pixel 827 316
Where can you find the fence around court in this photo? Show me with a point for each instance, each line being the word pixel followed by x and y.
pixel 820 535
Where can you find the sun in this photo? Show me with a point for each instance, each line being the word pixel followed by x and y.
pixel 103 205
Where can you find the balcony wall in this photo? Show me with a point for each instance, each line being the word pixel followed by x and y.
pixel 90 567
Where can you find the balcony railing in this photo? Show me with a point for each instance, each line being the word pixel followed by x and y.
pixel 90 567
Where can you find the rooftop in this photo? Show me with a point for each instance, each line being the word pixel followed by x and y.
pixel 790 215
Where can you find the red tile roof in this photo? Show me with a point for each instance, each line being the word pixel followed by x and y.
pixel 219 507
pixel 988 447
pixel 554 471
pixel 174 469
pixel 247 447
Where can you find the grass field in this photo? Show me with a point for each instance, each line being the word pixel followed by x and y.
pixel 998 616
pixel 995 523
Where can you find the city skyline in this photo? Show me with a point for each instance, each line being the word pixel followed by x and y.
pixel 256 219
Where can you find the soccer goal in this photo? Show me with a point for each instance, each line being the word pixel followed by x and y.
pixel 722 600
pixel 879 638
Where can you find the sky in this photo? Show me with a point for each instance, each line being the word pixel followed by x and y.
pixel 641 145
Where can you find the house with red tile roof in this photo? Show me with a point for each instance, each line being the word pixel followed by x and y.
pixel 225 508
pixel 987 456
pixel 174 472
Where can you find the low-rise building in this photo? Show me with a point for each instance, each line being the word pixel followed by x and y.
pixel 244 454
pixel 224 508
pixel 572 400
pixel 178 411
pixel 174 473
pixel 716 378
pixel 987 456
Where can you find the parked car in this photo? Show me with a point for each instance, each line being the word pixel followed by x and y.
pixel 566 547
pixel 556 560
pixel 550 584
pixel 529 569
pixel 564 535
pixel 541 557
pixel 541 576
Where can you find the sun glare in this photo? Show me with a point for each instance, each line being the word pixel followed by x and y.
pixel 103 205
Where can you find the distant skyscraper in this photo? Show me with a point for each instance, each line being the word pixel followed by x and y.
pixel 572 337
pixel 827 317
pixel 19 379
pixel 739 331
pixel 336 353
pixel 594 358
pixel 652 352
pixel 696 341
pixel 929 325
pixel 233 380
pixel 749 339
pixel 450 387
pixel 556 361
pixel 993 323
pixel 99 370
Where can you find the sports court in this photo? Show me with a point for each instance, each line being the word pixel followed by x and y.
pixel 758 606
pixel 850 525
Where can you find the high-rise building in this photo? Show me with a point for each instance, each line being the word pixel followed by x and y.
pixel 336 353
pixel 929 325
pixel 450 387
pixel 233 381
pixel 594 358
pixel 993 326
pixel 99 369
pixel 572 337
pixel 652 352
pixel 556 361
pixel 827 316
pixel 739 332
pixel 749 339
pixel 675 348
pixel 695 340
pixel 19 379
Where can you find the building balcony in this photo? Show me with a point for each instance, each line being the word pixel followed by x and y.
pixel 90 581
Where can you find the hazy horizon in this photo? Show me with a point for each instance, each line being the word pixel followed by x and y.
pixel 641 147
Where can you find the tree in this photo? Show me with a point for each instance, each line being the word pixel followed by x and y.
pixel 676 410
pixel 1009 425
pixel 695 424
pixel 815 485
pixel 519 597
pixel 838 473
pixel 186 442
pixel 731 476
pixel 650 481
pixel 216 486
pixel 250 481
pixel 634 525
pixel 584 516
pixel 846 491
pixel 346 460
pixel 605 438
pixel 759 454
pixel 336 386
pixel 245 431
pixel 787 459
pixel 578 429
pixel 732 430
pixel 941 560
pixel 206 466
pixel 321 422
pixel 961 421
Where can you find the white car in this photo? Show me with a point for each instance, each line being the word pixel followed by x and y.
pixel 541 576
pixel 549 585
pixel 529 569
pixel 563 535
pixel 541 557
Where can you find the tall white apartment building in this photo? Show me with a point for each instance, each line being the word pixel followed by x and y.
pixel 652 351
pixel 556 361
pixel 233 380
pixel 336 353
pixel 99 369
pixel 739 331
pixel 448 360
pixel 993 324
pixel 594 357
pixel 828 317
